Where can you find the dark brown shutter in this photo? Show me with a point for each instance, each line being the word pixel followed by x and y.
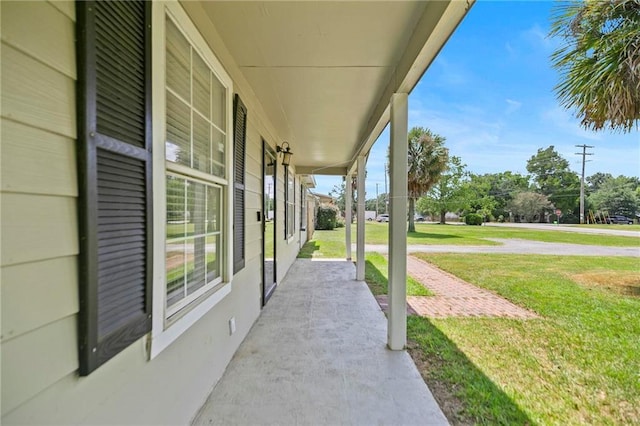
pixel 239 149
pixel 114 144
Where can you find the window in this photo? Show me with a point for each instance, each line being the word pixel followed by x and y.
pixel 303 208
pixel 193 249
pixel 192 178
pixel 290 203
pixel 195 152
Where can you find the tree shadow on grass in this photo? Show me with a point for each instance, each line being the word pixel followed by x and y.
pixel 465 394
pixel 426 235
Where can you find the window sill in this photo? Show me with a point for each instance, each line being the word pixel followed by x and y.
pixel 163 338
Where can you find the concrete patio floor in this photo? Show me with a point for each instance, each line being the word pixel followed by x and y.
pixel 318 355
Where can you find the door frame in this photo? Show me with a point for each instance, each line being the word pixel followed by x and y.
pixel 267 291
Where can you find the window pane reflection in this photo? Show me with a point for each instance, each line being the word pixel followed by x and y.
pixel 193 247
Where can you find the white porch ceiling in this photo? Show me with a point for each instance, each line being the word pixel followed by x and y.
pixel 324 71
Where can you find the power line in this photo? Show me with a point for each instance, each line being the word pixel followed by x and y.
pixel 584 154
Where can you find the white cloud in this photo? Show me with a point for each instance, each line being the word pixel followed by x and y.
pixel 563 122
pixel 537 38
pixel 450 74
pixel 513 106
pixel 510 50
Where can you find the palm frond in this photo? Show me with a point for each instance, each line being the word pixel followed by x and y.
pixel 599 61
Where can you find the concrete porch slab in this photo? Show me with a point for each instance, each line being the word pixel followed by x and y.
pixel 318 355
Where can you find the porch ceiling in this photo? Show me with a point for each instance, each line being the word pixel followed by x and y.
pixel 324 71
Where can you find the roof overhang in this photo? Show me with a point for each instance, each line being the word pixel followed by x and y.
pixel 324 71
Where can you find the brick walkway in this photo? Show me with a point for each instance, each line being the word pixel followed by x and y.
pixel 455 297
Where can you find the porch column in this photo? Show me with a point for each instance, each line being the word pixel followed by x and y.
pixel 397 316
pixel 348 213
pixel 360 219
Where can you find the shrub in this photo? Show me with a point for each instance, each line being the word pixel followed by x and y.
pixel 473 219
pixel 340 223
pixel 501 218
pixel 569 218
pixel 326 217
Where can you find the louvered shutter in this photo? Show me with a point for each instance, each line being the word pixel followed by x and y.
pixel 239 144
pixel 114 144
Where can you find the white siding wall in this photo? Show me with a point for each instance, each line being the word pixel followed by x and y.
pixel 39 245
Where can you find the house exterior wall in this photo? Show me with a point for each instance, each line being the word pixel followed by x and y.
pixel 39 247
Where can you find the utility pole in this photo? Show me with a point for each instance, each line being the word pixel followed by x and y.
pixel 584 154
pixel 386 191
pixel 376 199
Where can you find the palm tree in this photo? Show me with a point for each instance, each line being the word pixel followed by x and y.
pixel 599 61
pixel 427 159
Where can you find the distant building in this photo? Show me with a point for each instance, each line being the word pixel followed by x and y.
pixel 324 199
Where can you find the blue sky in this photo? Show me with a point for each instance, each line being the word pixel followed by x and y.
pixel 490 94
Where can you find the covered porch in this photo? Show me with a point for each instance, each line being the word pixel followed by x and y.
pixel 331 76
pixel 318 355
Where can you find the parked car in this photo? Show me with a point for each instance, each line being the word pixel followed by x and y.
pixel 619 219
pixel 382 218
pixel 418 218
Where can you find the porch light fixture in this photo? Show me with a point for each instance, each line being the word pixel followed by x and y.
pixel 285 152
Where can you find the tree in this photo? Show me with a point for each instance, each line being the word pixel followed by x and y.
pixel 599 61
pixel 427 159
pixel 595 181
pixel 449 193
pixel 552 177
pixel 370 204
pixel 490 193
pixel 339 193
pixel 379 203
pixel 616 196
pixel 528 205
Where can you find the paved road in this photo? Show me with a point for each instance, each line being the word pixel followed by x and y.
pixel 518 246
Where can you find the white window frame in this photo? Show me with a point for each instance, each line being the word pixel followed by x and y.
pixel 303 207
pixel 290 204
pixel 164 332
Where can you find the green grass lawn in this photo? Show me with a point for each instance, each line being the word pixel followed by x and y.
pixel 330 244
pixel 376 276
pixel 435 234
pixel 325 244
pixel 378 233
pixel 579 364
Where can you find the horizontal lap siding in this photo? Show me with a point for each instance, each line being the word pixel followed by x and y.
pixel 55 283
pixel 36 94
pixel 38 193
pixel 253 193
pixel 39 246
pixel 30 166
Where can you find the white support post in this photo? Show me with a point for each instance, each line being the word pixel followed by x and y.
pixel 348 213
pixel 397 315
pixel 360 219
